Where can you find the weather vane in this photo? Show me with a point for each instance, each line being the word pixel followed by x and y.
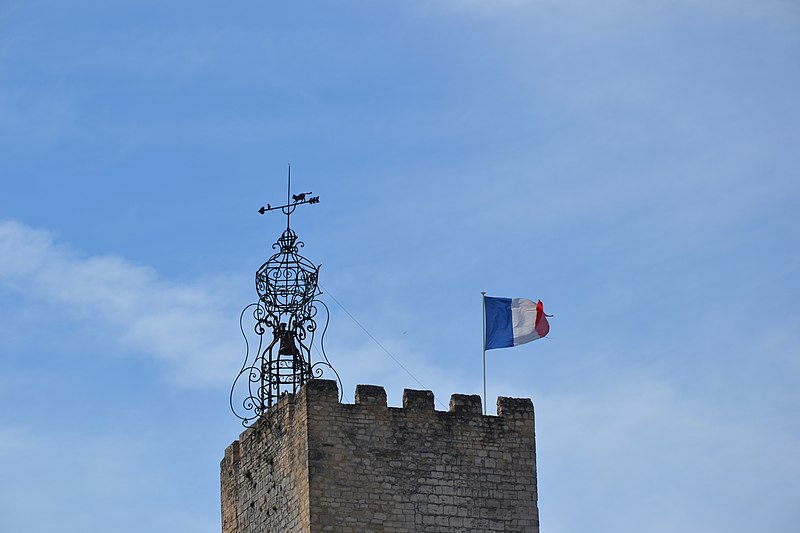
pixel 285 323
pixel 292 201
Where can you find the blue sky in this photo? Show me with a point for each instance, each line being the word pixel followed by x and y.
pixel 633 164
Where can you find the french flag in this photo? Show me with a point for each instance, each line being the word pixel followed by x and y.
pixel 513 321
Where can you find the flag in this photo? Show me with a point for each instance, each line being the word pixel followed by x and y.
pixel 513 321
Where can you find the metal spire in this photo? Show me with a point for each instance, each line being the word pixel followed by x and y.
pixel 285 322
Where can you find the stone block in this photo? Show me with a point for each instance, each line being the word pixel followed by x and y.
pixel 514 407
pixel 371 395
pixel 322 390
pixel 466 404
pixel 418 400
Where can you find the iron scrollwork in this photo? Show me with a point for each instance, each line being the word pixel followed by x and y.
pixel 285 317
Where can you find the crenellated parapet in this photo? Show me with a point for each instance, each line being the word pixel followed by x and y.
pixel 322 390
pixel 316 464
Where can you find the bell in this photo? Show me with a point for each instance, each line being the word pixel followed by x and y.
pixel 287 346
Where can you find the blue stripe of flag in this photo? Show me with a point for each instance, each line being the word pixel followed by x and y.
pixel 499 329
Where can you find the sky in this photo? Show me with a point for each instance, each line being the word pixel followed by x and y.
pixel 634 164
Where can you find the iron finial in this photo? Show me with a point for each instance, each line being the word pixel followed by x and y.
pixel 285 322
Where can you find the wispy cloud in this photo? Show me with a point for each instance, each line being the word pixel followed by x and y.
pixel 190 326
pixel 183 324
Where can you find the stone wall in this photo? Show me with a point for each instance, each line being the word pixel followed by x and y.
pixel 366 467
pixel 264 474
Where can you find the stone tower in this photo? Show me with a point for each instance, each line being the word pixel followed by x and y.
pixel 313 464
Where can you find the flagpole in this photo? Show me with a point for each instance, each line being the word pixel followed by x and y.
pixel 483 307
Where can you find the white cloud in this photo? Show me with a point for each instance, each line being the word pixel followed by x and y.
pixel 190 326
pixel 183 324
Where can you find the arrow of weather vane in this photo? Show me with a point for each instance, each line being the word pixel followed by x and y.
pixel 298 199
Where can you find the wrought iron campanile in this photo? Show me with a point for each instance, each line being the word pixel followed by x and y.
pixel 285 323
